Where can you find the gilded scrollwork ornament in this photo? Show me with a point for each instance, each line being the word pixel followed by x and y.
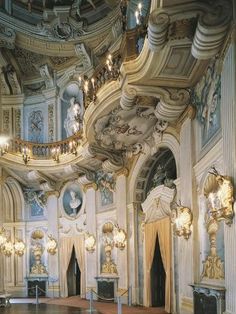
pixel 181 218
pixel 221 201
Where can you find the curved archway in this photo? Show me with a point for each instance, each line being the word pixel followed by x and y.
pixel 14 200
pixel 147 161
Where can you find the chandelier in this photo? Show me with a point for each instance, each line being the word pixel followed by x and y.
pixel 51 245
pixel 8 248
pixel 4 145
pixel 90 242
pixel 113 235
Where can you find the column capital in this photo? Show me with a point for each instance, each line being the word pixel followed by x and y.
pixel 189 113
pixel 52 193
pixel 123 171
pixel 88 186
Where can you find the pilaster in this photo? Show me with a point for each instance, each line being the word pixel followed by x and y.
pixel 91 258
pixel 133 251
pixel 228 103
pixel 1 222
pixel 185 247
pixel 121 207
pixel 53 260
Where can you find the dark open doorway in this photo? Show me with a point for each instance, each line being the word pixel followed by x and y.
pixel 73 276
pixel 158 278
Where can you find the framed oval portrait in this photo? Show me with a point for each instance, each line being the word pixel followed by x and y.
pixel 72 200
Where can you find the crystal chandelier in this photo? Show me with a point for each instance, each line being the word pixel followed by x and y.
pixel 4 145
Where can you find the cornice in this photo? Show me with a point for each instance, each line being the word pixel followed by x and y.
pixel 52 193
pixel 12 99
pixel 122 172
pixel 88 186
pixel 189 113
pixel 34 39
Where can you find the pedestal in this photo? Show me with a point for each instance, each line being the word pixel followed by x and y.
pixel 107 288
pixel 208 299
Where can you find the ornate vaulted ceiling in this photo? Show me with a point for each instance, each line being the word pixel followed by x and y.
pixel 128 115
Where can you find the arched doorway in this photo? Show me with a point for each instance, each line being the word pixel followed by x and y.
pixel 158 278
pixel 73 275
pixel 156 180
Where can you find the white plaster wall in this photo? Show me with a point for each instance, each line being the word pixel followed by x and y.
pixel 228 100
pixel 185 247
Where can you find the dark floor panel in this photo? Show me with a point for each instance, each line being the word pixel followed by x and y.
pixel 42 309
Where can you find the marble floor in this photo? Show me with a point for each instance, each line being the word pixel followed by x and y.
pixel 106 308
pixel 43 309
pixel 71 305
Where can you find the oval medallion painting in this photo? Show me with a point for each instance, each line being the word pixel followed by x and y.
pixel 72 200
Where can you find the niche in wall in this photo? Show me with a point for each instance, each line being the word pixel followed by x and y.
pixel 211 233
pixel 71 109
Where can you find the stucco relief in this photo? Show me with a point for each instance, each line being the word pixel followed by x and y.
pixel 51 123
pixel 121 129
pixel 207 98
pixel 7 37
pixel 36 202
pixel 106 185
pixel 17 122
pixel 72 200
pixel 36 126
pixel 6 121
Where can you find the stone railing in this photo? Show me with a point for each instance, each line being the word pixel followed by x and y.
pixel 45 150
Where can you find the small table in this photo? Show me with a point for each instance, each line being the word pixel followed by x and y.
pixel 5 300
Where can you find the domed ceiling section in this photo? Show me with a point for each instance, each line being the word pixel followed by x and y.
pixel 48 49
pixel 89 11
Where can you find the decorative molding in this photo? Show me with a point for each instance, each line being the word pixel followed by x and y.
pixel 128 97
pixel 211 30
pixel 17 122
pixel 88 186
pixel 158 30
pixel 52 193
pixel 123 171
pixel 189 113
pixel 7 37
pixel 114 159
pixel 158 203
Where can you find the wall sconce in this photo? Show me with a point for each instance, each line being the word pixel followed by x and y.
pixel 4 145
pixel 222 199
pixel 8 248
pixel 73 147
pixel 90 242
pixel 119 238
pixel 26 154
pixel 51 245
pixel 19 247
pixel 182 219
pixel 55 151
pixel 3 238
